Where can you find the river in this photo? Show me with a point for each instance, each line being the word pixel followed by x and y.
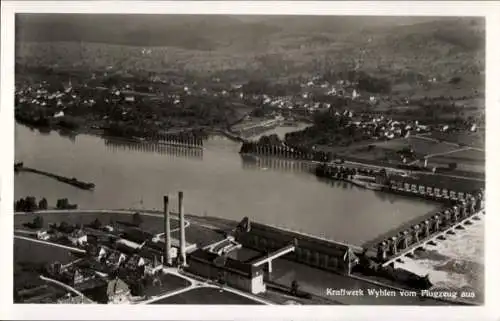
pixel 216 182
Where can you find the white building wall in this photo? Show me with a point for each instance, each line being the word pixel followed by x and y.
pixel 257 285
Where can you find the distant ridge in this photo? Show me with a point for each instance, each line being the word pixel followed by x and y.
pixel 274 45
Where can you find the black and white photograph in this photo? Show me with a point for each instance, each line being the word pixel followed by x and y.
pixel 264 159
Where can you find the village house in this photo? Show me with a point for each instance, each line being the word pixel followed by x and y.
pixel 43 235
pixel 118 292
pixel 78 237
pixel 115 258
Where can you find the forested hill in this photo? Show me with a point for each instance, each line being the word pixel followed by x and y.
pixel 273 44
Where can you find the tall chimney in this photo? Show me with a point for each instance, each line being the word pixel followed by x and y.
pixel 182 236
pixel 166 225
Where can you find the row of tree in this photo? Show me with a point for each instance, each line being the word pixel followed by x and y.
pixel 30 204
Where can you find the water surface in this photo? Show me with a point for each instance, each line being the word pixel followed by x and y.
pixel 216 182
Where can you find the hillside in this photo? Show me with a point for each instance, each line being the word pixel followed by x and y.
pixel 401 48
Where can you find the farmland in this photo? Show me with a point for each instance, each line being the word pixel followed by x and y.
pixel 473 139
pixel 39 253
pixel 421 147
pixel 437 152
pixel 467 159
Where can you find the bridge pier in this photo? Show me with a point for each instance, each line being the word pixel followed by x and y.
pixel 463 212
pixel 405 240
pixel 382 251
pixel 416 231
pixel 427 228
pixel 456 214
pixel 394 246
pixel 437 223
pixel 447 218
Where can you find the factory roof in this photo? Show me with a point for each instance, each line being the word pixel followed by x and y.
pixel 284 237
pixel 225 263
pixel 136 235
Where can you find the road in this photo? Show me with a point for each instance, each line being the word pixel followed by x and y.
pixel 392 169
pixel 425 137
pixel 186 225
pixel 196 284
pixel 67 287
pixel 443 153
pixel 69 248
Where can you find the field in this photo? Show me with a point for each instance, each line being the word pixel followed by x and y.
pixel 30 259
pixel 255 121
pixel 40 292
pixel 38 253
pixel 473 139
pixel 468 160
pixel 169 282
pixel 422 147
pixel 463 155
pixel 206 296
pixel 438 153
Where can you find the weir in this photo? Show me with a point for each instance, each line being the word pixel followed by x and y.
pixel 19 167
pixel 158 148
pixel 464 202
pixel 410 249
pixel 431 229
pixel 285 151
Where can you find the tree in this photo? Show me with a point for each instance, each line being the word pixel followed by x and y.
pixel 43 205
pixel 20 205
pixel 38 222
pixel 65 227
pixel 264 140
pixel 30 204
pixel 137 289
pixel 295 287
pixel 455 80
pixel 137 219
pixel 96 224
pixel 258 112
pixel 62 203
pixel 274 139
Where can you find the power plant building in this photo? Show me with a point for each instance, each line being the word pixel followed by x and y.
pixel 313 251
pixel 242 275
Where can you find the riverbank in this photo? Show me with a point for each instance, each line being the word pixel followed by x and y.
pixel 283 267
pixel 173 139
pixel 219 184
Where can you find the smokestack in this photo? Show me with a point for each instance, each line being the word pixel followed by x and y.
pixel 166 225
pixel 182 229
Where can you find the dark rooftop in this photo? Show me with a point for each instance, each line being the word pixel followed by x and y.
pixel 230 264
